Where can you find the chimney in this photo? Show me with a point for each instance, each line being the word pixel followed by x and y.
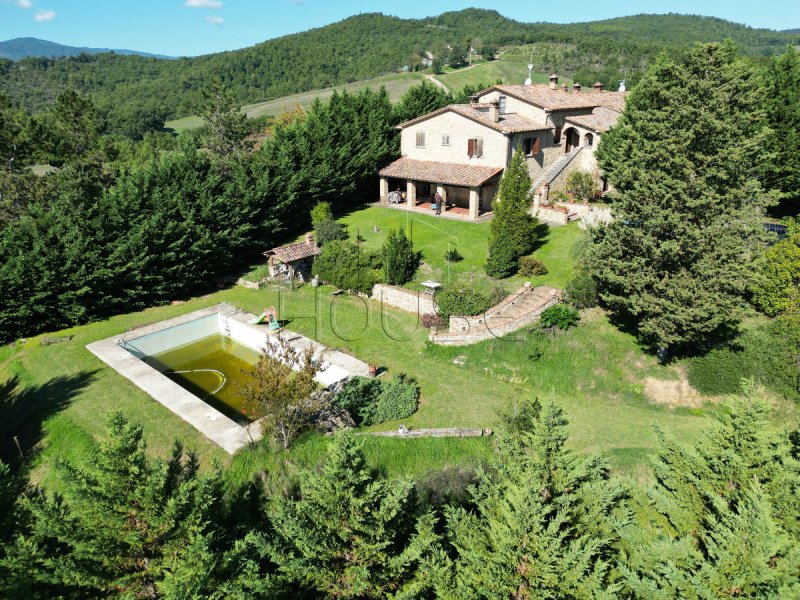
pixel 494 111
pixel 576 88
pixel 564 88
pixel 597 87
pixel 553 81
pixel 474 99
pixel 310 239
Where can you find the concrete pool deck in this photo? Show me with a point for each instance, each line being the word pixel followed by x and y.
pixel 221 430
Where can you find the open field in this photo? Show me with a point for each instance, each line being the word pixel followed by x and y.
pixel 510 70
pixel 396 84
pixel 513 70
pixel 61 393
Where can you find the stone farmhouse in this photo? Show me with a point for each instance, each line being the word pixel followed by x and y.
pixel 461 150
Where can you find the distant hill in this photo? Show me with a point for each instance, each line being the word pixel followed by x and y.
pixel 20 48
pixel 792 31
pixel 136 93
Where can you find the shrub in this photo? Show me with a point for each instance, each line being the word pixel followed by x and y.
pixel 560 316
pixel 398 399
pixel 581 291
pixel 769 354
pixel 399 259
pixel 347 266
pixel 780 289
pixel 328 231
pixel 452 255
pixel 358 394
pixel 580 185
pixel 530 266
pixel 321 212
pixel 461 302
pixel 371 401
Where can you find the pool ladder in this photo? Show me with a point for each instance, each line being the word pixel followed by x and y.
pixel 227 340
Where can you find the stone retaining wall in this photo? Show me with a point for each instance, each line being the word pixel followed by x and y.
pixel 403 299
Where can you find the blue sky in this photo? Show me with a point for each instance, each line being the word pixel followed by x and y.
pixel 190 27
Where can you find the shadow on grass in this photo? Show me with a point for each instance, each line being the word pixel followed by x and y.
pixel 542 232
pixel 24 411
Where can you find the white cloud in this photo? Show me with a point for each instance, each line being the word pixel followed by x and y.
pixel 44 15
pixel 24 3
pixel 215 20
pixel 204 3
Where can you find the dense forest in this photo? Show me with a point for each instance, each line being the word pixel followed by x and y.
pixel 135 94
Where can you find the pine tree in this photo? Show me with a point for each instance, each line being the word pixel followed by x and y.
pixel 399 259
pixel 226 123
pixel 126 525
pixel 684 159
pixel 348 534
pixel 545 525
pixel 513 229
pixel 782 172
pixel 724 519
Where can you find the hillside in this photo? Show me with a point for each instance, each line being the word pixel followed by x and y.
pixel 132 90
pixel 20 48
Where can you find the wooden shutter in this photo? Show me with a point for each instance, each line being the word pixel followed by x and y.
pixel 535 146
pixel 471 147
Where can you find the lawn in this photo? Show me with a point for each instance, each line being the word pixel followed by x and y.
pixel 60 393
pixel 432 235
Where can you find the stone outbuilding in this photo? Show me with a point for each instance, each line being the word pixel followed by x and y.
pixel 293 260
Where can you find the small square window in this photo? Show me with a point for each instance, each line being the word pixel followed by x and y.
pixel 445 140
pixel 420 139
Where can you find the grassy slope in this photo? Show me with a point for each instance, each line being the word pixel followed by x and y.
pixel 594 371
pixel 396 84
pixel 508 69
pixel 434 235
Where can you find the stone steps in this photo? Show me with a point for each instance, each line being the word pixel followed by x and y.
pixel 515 312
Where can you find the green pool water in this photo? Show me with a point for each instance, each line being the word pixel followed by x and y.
pixel 213 369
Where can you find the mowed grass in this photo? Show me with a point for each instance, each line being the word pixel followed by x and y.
pixel 433 236
pixel 396 85
pixel 58 396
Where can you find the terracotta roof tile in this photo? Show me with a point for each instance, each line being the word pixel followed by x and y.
pixel 439 172
pixel 543 97
pixel 508 123
pixel 294 252
pixel 601 120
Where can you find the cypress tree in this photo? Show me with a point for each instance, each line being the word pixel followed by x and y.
pixel 512 231
pixel 684 159
pixel 126 525
pixel 348 534
pixel 399 259
pixel 545 525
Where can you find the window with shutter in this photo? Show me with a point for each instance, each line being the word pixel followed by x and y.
pixel 478 147
pixel 502 105
pixel 535 149
pixel 420 139
pixel 445 140
pixel 470 147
